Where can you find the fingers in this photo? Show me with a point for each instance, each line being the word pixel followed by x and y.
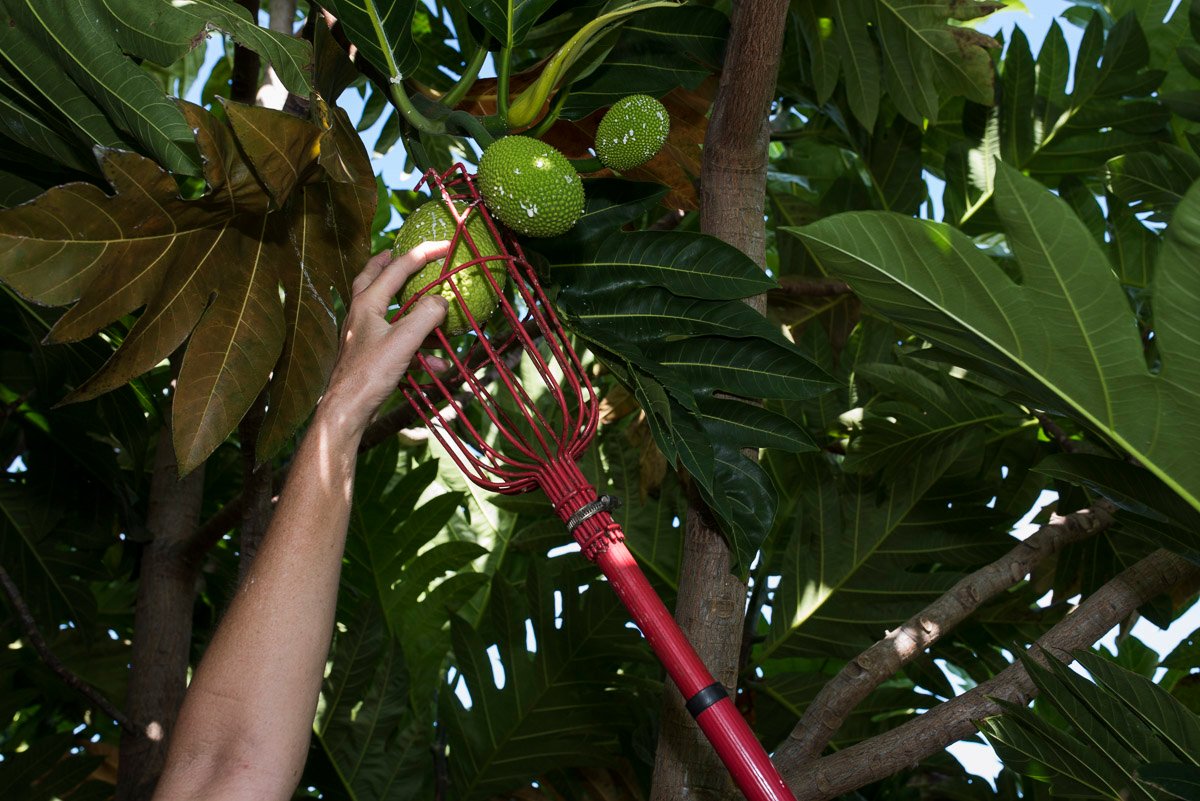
pixel 370 271
pixel 388 280
pixel 410 330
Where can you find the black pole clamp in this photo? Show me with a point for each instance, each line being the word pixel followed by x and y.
pixel 702 700
pixel 605 503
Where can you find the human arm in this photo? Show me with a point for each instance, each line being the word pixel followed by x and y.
pixel 245 724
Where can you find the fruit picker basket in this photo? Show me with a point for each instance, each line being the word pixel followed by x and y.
pixel 510 401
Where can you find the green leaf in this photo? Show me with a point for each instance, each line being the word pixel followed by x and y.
pixel 914 412
pixel 859 58
pixel 46 769
pixel 848 541
pixel 365 728
pixel 1128 486
pixel 1065 335
pixel 382 30
pixel 611 203
pixel 752 426
pixel 1181 781
pixel 1153 181
pixel 1096 735
pixel 164 31
pixel 507 20
pixel 1170 721
pixel 1029 745
pixel 29 553
pixel 563 705
pixel 81 58
pixel 691 265
pixel 659 50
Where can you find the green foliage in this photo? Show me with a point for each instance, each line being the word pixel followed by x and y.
pixel 1017 332
pixel 664 310
pixel 68 84
pixel 897 435
pixel 904 50
pixel 515 727
pixel 1096 737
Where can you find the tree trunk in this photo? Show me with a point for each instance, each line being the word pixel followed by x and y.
pixel 256 486
pixel 167 580
pixel 162 623
pixel 711 599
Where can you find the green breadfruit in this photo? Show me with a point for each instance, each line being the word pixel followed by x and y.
pixel 632 132
pixel 432 221
pixel 530 187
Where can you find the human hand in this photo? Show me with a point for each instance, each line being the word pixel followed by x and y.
pixel 374 353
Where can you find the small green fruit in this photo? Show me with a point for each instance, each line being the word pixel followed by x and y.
pixel 632 132
pixel 432 221
pixel 530 187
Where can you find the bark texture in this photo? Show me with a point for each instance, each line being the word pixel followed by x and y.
pixel 162 623
pixel 733 174
pixel 881 756
pixel 866 672
pixel 256 485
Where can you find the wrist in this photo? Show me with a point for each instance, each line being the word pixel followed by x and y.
pixel 338 423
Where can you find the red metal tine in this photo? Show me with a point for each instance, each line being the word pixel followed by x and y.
pixel 537 445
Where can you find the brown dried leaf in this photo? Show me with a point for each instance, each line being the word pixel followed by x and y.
pixel 677 165
pixel 215 264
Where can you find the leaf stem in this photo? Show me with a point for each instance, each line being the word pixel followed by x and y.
pixel 502 70
pixel 407 110
pixel 587 165
pixel 467 79
pixel 551 117
pixel 471 126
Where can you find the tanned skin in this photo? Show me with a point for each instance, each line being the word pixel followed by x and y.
pixel 244 729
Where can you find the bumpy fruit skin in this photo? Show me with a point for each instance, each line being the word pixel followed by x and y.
pixel 430 222
pixel 632 132
pixel 530 187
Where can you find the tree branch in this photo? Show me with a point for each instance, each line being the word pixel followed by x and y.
pixel 1055 432
pixel 34 637
pixel 811 287
pixel 257 481
pixel 247 67
pixel 863 674
pixel 887 753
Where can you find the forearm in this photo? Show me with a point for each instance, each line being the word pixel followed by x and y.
pixel 247 718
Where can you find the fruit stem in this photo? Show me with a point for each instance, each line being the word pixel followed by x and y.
pixel 415 118
pixel 468 124
pixel 467 79
pixel 502 70
pixel 583 166
pixel 551 117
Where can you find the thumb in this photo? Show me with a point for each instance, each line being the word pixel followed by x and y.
pixel 410 330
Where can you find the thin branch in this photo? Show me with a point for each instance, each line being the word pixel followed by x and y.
pixel 257 481
pixel 247 67
pixel 34 637
pixel 1061 438
pixel 811 287
pixel 866 672
pixel 885 754
pixel 669 221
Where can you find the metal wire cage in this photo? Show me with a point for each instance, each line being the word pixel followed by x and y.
pixel 515 410
pixel 526 431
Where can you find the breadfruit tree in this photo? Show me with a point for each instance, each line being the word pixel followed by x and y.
pixel 878 282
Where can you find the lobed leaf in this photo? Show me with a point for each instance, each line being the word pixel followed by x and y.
pixel 208 269
pixel 1065 335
